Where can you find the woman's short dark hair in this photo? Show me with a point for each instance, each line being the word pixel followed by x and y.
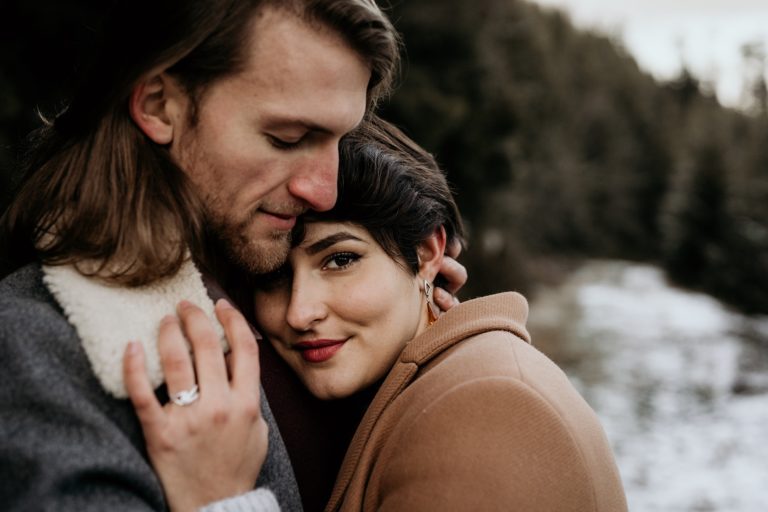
pixel 393 188
pixel 96 189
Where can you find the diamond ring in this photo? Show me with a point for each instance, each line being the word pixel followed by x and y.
pixel 186 396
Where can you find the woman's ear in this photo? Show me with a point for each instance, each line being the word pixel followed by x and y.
pixel 431 252
pixel 154 106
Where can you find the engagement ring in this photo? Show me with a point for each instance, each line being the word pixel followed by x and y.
pixel 187 396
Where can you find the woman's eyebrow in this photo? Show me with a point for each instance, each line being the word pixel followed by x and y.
pixel 330 240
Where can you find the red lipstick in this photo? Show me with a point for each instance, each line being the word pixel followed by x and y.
pixel 317 351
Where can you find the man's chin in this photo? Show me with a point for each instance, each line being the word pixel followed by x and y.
pixel 259 256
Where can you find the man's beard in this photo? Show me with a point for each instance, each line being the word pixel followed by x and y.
pixel 250 254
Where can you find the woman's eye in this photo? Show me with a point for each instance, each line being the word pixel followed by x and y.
pixel 340 260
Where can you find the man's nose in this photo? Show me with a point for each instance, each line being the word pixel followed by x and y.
pixel 316 182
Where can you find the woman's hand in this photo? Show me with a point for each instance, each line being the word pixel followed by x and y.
pixel 212 448
pixel 456 275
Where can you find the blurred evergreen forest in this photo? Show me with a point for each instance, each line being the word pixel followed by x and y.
pixel 558 146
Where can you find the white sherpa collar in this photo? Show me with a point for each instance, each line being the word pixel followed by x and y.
pixel 108 317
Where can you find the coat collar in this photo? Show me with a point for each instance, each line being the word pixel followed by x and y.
pixel 107 317
pixel 501 312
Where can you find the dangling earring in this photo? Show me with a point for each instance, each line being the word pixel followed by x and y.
pixel 432 311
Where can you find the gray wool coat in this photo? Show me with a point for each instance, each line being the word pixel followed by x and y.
pixel 65 443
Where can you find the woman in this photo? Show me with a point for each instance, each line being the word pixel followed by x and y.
pixel 467 416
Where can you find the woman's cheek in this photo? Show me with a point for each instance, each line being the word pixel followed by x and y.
pixel 364 299
pixel 270 312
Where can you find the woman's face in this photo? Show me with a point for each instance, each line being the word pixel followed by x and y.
pixel 342 310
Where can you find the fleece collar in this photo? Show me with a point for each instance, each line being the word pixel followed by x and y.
pixel 107 317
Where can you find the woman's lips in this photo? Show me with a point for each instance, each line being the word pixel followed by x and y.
pixel 317 351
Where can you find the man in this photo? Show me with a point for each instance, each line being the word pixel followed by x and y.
pixel 203 128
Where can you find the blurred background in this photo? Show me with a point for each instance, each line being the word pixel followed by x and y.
pixel 611 162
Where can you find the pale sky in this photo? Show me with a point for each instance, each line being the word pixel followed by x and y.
pixel 706 34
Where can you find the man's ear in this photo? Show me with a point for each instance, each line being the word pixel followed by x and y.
pixel 155 106
pixel 431 252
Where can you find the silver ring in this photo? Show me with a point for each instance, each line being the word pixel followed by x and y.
pixel 187 396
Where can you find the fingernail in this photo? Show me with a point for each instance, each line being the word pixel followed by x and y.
pixel 167 319
pixel 184 305
pixel 132 348
pixel 224 304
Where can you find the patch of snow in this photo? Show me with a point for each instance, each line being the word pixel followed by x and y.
pixel 659 364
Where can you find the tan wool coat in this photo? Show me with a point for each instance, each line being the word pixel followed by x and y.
pixel 473 418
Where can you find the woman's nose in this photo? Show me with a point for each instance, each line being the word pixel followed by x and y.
pixel 305 308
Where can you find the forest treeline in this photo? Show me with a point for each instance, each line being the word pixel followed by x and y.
pixel 558 146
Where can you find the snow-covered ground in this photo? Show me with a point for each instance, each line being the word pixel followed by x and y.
pixel 679 381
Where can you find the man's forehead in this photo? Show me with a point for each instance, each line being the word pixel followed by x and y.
pixel 299 75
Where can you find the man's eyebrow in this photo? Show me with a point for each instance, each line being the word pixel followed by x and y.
pixel 330 240
pixel 278 123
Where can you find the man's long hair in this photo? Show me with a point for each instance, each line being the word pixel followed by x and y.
pixel 97 193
